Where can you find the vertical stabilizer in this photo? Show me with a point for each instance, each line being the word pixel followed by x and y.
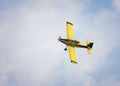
pixel 89 46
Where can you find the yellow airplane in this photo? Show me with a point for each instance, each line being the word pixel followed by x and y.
pixel 71 43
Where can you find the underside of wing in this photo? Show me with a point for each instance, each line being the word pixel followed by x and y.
pixel 69 27
pixel 72 54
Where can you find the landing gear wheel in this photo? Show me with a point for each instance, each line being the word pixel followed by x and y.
pixel 65 49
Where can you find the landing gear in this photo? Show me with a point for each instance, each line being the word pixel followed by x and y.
pixel 65 49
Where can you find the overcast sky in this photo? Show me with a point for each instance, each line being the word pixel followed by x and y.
pixel 30 54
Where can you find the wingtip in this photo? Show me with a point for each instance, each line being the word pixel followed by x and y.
pixel 73 62
pixel 69 23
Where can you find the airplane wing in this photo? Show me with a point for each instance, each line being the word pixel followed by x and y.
pixel 69 30
pixel 72 54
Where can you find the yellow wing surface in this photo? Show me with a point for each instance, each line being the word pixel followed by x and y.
pixel 69 27
pixel 70 35
pixel 72 54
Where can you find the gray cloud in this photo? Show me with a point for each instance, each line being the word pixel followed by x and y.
pixel 116 4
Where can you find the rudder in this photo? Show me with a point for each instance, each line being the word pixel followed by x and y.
pixel 89 46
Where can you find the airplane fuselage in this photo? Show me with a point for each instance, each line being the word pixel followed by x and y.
pixel 72 43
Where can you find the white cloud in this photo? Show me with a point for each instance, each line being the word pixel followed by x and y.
pixel 113 80
pixel 30 53
pixel 29 39
pixel 116 4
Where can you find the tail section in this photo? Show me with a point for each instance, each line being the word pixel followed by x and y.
pixel 89 46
